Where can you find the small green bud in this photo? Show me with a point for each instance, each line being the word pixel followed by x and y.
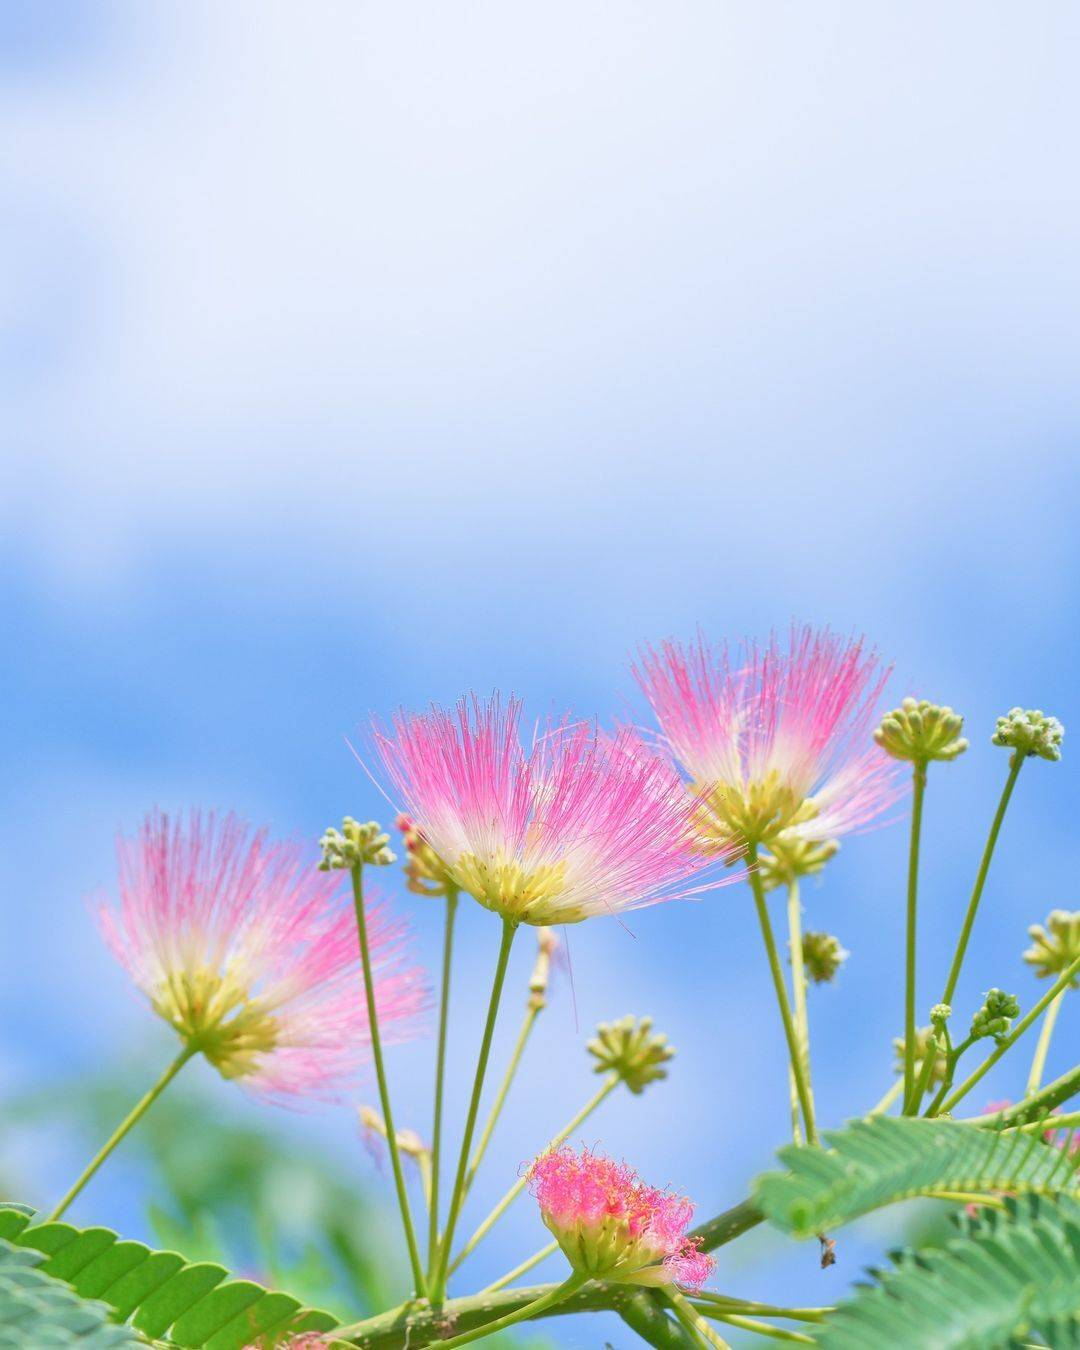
pixel 792 858
pixel 1056 946
pixel 355 844
pixel 940 1014
pixel 921 731
pixel 1030 733
pixel 822 956
pixel 924 1040
pixel 995 1016
pixel 630 1048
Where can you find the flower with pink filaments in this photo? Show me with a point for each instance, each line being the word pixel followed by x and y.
pixel 611 1225
pixel 580 824
pixel 774 738
pixel 251 954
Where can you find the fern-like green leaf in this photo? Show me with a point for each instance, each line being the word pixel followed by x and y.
pixel 880 1160
pixel 38 1310
pixel 1009 1275
pixel 196 1304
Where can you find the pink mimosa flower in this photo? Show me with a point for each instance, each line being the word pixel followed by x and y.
pixel 774 739
pixel 251 954
pixel 578 825
pixel 611 1225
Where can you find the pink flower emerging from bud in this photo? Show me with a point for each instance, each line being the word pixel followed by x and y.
pixel 251 954
pixel 579 825
pixel 773 739
pixel 611 1225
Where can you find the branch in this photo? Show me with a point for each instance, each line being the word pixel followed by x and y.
pixel 420 1325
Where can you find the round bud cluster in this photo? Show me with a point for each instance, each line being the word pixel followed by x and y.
pixel 355 844
pixel 995 1016
pixel 630 1048
pixel 1030 733
pixel 921 731
pixel 1056 946
pixel 793 857
pixel 822 956
pixel 924 1040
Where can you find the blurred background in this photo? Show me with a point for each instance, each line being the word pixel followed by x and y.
pixel 365 354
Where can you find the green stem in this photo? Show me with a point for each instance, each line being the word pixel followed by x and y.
pixel 888 1099
pixel 794 1053
pixel 380 1074
pixel 607 1087
pixel 534 1309
pixel 1015 764
pixel 798 984
pixel 728 1304
pixel 1038 1062
pixel 689 1316
pixel 132 1118
pixel 531 1015
pixel 1062 982
pixel 457 1195
pixel 752 1324
pixel 440 1072
pixel 1034 1108
pixel 918 789
pixel 922 1083
pixel 526 1265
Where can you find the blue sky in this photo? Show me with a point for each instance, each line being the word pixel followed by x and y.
pixel 408 349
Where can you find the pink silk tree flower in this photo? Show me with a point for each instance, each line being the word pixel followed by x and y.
pixel 774 739
pixel 611 1225
pixel 251 954
pixel 580 824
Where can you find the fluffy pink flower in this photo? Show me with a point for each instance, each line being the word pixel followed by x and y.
pixel 610 1224
pixel 580 824
pixel 251 954
pixel 774 738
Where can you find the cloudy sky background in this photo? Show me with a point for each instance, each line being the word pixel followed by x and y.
pixel 363 357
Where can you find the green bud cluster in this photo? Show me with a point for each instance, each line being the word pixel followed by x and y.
pixel 995 1016
pixel 793 857
pixel 1030 733
pixel 822 956
pixel 921 731
pixel 940 1014
pixel 924 1041
pixel 630 1048
pixel 1056 946
pixel 355 844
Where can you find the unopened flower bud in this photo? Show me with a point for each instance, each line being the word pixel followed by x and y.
pixel 424 871
pixel 995 1016
pixel 1030 733
pixel 1056 946
pixel 630 1048
pixel 546 943
pixel 822 956
pixel 408 1141
pixel 793 857
pixel 356 843
pixel 921 731
pixel 924 1041
pixel 940 1014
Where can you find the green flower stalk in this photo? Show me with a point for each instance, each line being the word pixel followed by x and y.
pixel 918 731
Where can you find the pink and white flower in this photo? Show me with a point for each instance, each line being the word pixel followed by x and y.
pixel 774 738
pixel 612 1225
pixel 577 825
pixel 251 954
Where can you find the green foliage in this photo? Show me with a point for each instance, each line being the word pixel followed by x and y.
pixel 196 1303
pixel 880 1160
pixel 1008 1275
pixel 39 1310
pixel 241 1195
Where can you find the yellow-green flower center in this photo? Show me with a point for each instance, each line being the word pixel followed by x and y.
pixel 216 1014
pixel 735 815
pixel 504 885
